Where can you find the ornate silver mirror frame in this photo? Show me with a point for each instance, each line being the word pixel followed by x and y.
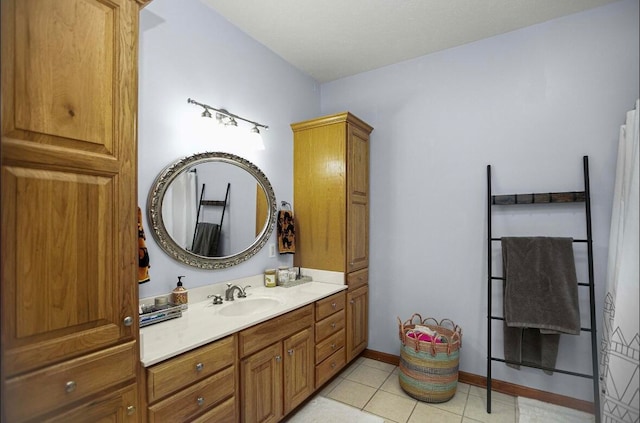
pixel 167 243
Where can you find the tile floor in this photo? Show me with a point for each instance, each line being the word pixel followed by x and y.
pixel 373 387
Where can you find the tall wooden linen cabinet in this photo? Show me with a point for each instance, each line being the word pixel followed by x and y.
pixel 69 192
pixel 331 201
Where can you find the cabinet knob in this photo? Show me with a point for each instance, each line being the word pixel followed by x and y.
pixel 199 367
pixel 352 302
pixel 333 346
pixel 128 321
pixel 333 305
pixel 200 401
pixel 333 365
pixel 70 386
pixel 290 351
pixel 131 410
pixel 278 358
pixel 333 325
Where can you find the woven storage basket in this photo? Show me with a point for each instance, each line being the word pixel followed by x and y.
pixel 429 370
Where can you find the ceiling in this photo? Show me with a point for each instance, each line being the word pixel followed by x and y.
pixel 331 39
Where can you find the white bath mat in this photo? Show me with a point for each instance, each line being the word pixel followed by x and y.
pixel 534 411
pixel 325 410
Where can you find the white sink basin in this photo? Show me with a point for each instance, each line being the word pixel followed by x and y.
pixel 248 306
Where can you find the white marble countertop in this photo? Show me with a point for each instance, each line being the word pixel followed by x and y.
pixel 202 323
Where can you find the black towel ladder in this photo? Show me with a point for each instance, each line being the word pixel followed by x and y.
pixel 545 198
pixel 203 202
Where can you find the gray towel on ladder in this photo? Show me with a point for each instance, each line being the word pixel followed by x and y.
pixel 206 240
pixel 540 298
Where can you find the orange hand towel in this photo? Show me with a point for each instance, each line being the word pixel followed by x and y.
pixel 286 232
pixel 143 254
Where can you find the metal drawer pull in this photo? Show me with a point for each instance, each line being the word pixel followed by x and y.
pixel 333 365
pixel 199 367
pixel 351 302
pixel 333 346
pixel 333 305
pixel 128 321
pixel 131 410
pixel 290 351
pixel 333 325
pixel 70 387
pixel 200 400
pixel 278 358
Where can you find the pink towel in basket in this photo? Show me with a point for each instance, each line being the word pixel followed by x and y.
pixel 421 336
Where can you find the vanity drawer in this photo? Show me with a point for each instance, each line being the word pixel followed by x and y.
pixel 357 279
pixel 330 345
pixel 173 374
pixel 260 336
pixel 330 367
pixel 328 306
pixel 224 412
pixel 330 325
pixel 61 384
pixel 195 399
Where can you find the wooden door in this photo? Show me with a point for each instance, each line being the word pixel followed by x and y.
pixel 357 199
pixel 298 369
pixel 68 179
pixel 319 193
pixel 357 321
pixel 261 385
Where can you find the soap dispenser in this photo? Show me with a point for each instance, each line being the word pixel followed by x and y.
pixel 180 294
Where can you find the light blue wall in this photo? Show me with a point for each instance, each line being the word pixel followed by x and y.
pixel 187 50
pixel 531 103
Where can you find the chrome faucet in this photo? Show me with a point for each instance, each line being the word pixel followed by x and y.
pixel 228 294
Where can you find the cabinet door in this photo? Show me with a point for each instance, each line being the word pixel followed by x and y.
pixel 298 368
pixel 320 196
pixel 357 321
pixel 357 199
pixel 261 385
pixel 68 179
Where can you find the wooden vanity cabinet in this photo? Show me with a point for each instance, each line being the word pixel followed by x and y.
pixel 195 384
pixel 69 289
pixel 276 368
pixel 331 201
pixel 330 337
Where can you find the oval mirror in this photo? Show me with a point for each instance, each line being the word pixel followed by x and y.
pixel 211 210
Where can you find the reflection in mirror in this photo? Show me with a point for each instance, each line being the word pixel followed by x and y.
pixel 202 209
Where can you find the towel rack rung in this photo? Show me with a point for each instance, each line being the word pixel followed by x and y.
pixel 538 198
pixel 575 240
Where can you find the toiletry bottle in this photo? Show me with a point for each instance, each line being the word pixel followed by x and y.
pixel 180 293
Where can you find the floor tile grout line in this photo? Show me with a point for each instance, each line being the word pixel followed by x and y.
pixel 466 401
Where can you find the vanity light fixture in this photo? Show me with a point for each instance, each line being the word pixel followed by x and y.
pixel 230 121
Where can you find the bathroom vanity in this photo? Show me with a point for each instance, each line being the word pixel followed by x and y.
pixel 231 362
